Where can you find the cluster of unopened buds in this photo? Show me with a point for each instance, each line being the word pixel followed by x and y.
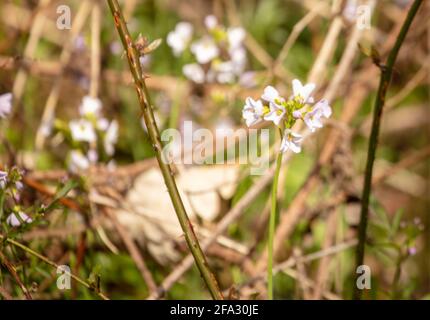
pixel 219 55
pixel 284 113
pixel 93 136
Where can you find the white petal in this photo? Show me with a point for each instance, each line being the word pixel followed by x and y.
pixel 274 116
pixel 297 87
pixel 325 107
pixel 14 221
pixel 270 94
pixel 295 147
pixel 307 90
pixel 297 136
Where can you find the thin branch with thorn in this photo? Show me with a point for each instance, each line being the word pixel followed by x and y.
pixel 386 74
pixel 146 106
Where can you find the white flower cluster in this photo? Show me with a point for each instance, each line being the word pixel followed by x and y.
pixel 219 54
pixel 93 133
pixel 284 113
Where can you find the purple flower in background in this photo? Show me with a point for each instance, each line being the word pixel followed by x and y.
pixel 14 221
pixel 3 179
pixel 412 251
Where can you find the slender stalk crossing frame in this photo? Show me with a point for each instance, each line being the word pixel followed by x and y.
pixel 53 264
pixel 146 106
pixel 386 74
pixel 272 224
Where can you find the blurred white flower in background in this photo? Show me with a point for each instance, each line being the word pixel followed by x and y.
pixel 236 36
pixel 179 38
pixel 247 79
pixel 102 124
pixel 90 106
pixel 221 50
pixel 211 22
pixel 92 156
pixel 111 138
pixel 194 72
pixel 82 130
pixel 14 221
pixel 94 136
pixel 204 50
pixel 5 104
pixel 77 161
pixel 224 71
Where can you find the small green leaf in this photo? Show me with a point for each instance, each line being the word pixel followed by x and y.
pixel 61 194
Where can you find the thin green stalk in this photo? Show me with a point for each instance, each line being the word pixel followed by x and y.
pixel 397 274
pixel 148 115
pixel 53 264
pixel 272 223
pixel 386 74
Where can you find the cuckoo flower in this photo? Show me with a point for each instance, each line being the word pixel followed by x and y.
pixel 302 93
pixel 285 114
pixel 325 108
pixel 252 111
pixel 276 110
pixel 313 119
pixel 291 141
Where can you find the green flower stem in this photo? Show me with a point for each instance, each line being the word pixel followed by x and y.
pixel 272 223
pixel 146 106
pixel 53 264
pixel 386 74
